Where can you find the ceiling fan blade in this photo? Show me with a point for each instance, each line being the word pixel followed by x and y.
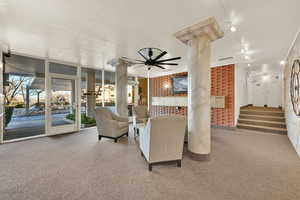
pixel 150 52
pixel 132 60
pixel 167 63
pixel 176 58
pixel 143 56
pixel 160 55
pixel 159 66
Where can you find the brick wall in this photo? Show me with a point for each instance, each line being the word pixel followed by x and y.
pixel 222 85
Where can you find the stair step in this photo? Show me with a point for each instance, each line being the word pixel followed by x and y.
pixel 262 113
pixel 264 118
pixel 262 123
pixel 262 128
pixel 261 108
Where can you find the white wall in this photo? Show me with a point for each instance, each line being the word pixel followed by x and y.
pixel 293 122
pixel 265 88
pixel 241 94
pixel 257 85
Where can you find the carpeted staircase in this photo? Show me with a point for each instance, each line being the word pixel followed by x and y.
pixel 262 119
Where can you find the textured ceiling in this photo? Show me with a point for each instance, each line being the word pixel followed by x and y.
pixel 94 31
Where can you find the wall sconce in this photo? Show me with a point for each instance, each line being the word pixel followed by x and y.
pixel 232 28
pixel 247 57
pixel 166 85
pixel 178 108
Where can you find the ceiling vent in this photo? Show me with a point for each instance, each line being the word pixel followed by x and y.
pixel 225 58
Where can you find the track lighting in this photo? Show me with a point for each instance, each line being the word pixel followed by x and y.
pixel 247 57
pixel 233 28
pixel 282 62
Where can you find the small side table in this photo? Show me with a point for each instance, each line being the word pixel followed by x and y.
pixel 137 126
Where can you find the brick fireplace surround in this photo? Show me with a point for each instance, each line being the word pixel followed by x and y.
pixel 222 79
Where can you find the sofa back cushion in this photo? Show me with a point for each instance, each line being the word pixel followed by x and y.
pixel 166 137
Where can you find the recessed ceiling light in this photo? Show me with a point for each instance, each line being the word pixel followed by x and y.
pixel 282 62
pixel 247 57
pixel 243 51
pixel 249 64
pixel 265 77
pixel 233 28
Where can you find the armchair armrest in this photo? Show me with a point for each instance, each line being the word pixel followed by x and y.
pixel 118 118
pixel 112 128
pixel 144 140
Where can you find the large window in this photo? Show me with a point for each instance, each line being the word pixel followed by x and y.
pixel 83 85
pixel 91 88
pixel 98 88
pixel 130 90
pixel 63 95
pixel 110 90
pixel 63 101
pixel 62 69
pixel 24 97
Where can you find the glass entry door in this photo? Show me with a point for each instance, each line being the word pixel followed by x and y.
pixel 63 116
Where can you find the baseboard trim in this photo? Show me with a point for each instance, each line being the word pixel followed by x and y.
pixel 223 127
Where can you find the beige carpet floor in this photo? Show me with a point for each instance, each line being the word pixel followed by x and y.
pixel 242 166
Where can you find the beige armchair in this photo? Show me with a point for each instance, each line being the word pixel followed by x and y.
pixel 162 140
pixel 110 125
pixel 140 115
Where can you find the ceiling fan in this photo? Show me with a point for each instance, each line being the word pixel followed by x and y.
pixel 152 58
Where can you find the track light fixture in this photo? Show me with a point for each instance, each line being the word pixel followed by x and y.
pixel 232 28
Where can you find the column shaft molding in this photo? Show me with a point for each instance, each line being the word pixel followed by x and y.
pixel 198 38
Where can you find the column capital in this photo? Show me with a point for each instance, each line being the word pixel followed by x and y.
pixel 208 27
pixel 119 61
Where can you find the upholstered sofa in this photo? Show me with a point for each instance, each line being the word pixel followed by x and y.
pixel 162 140
pixel 110 125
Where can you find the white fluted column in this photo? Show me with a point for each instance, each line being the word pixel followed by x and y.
pixel 198 38
pixel 136 92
